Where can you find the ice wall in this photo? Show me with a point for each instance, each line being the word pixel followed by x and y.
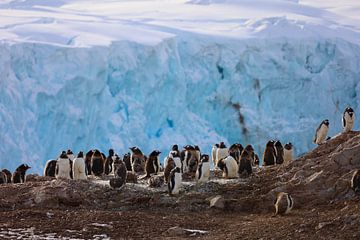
pixel 184 90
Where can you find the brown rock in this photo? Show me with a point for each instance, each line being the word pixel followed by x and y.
pixel 217 202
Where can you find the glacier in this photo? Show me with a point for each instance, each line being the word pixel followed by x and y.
pixel 154 86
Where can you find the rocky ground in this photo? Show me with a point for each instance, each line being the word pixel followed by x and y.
pixel 325 206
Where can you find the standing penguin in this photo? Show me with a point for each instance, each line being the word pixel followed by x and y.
pixel 235 151
pixel 120 174
pixel 79 167
pixel 97 163
pixel 176 157
pixel 70 154
pixel 197 153
pixel 213 154
pixel 283 203
pixel 7 174
pixel 174 182
pixel 221 152
pixel 269 157
pixel 245 166
pixel 88 161
pixel 288 152
pixel 203 171
pixel 19 174
pixel 355 181
pixel 229 167
pixel 137 159
pixel 279 152
pixel 170 165
pixel 188 158
pixel 321 132
pixel 127 161
pixel 152 164
pixel 108 164
pixel 348 119
pixel 63 168
pixel 174 149
pixel 50 167
pixel 2 178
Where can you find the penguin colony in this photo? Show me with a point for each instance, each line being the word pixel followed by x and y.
pixel 235 161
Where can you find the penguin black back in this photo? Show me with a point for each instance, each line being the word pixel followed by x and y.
pixel 88 161
pixel 7 174
pixel 269 157
pixel 108 162
pixel 50 168
pixel 152 163
pixel 97 163
pixel 19 174
pixel 279 152
pixel 127 161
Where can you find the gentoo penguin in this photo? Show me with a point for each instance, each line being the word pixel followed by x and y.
pixel 19 174
pixel 109 162
pixel 288 152
pixel 203 171
pixel 176 157
pixel 348 119
pixel 186 156
pixel 79 167
pixel 269 157
pixel 70 154
pixel 170 165
pixel 355 181
pixel 321 132
pixel 174 149
pixel 88 161
pixel 283 203
pixel 221 152
pixel 249 148
pixel 3 178
pixel 50 166
pixel 174 182
pixel 197 152
pixel 245 166
pixel 152 164
pixel 235 151
pixel 97 163
pixel 279 152
pixel 7 174
pixel 137 159
pixel 120 173
pixel 213 154
pixel 229 167
pixel 126 159
pixel 63 167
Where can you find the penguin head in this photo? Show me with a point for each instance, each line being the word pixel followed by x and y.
pixel 23 168
pixel 222 145
pixel 216 145
pixel 80 154
pixel 188 147
pixel 126 156
pixel 326 122
pixel 350 111
pixel 249 148
pixel 288 146
pixel 270 143
pixel 175 147
pixel 196 147
pixel 96 153
pixel 135 150
pixel 69 152
pixel 204 158
pixel 278 144
pixel 111 152
pixel 155 153
pixel 63 155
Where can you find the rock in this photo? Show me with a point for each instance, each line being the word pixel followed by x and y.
pixel 217 202
pixel 156 181
pixel 131 177
pixel 322 225
pixel 177 232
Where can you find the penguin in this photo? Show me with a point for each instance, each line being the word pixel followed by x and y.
pixel 279 152
pixel 176 157
pixel 188 157
pixel 348 119
pixel 174 182
pixel 203 171
pixel 152 164
pixel 97 163
pixel 197 153
pixel 79 167
pixel 246 160
pixel 229 167
pixel 213 154
pixel 88 161
pixel 269 157
pixel 120 173
pixel 283 203
pixel 7 174
pixel 63 168
pixel 235 151
pixel 321 132
pixel 19 174
pixel 126 159
pixel 288 152
pixel 170 165
pixel 221 152
pixel 50 167
pixel 355 181
pixel 109 162
pixel 137 160
pixel 3 178
pixel 70 154
pixel 174 149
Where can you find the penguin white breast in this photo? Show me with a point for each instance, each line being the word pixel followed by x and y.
pixel 177 161
pixel 232 167
pixel 322 133
pixel 63 168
